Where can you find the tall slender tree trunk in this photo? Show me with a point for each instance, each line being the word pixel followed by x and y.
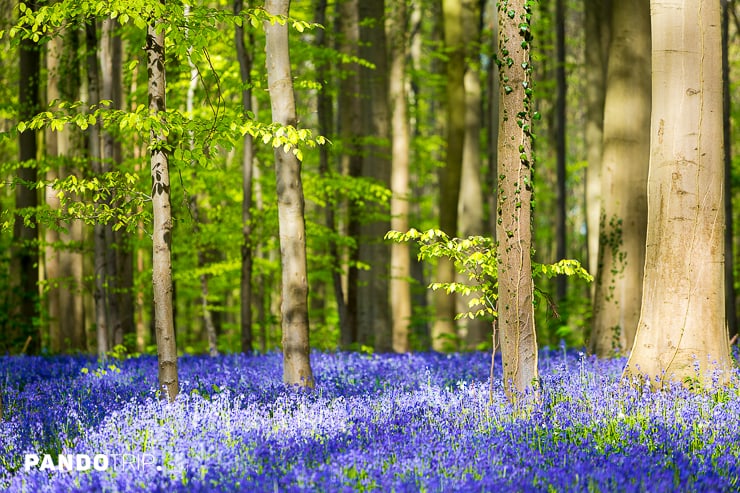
pixel 626 154
pixel 561 223
pixel 325 116
pixel 470 206
pixel 52 237
pixel 162 289
pixel 348 118
pixel 681 335
pixel 100 257
pixel 400 289
pixel 444 330
pixel 515 161
pixel 245 57
pixel 291 221
pixel 199 215
pixel 597 14
pixel 373 306
pixel 25 253
pixel 111 156
pixel 492 114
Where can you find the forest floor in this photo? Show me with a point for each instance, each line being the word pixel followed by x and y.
pixel 415 422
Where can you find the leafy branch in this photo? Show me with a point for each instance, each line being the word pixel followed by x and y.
pixel 476 258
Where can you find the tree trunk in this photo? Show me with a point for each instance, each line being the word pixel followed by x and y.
pixel 348 117
pixel 373 304
pixel 492 114
pixel 291 221
pixel 515 308
pixel 52 237
pixel 199 215
pixel 25 253
pixel 444 331
pixel 94 151
pixel 400 289
pixel 111 89
pixel 470 207
pixel 682 335
pixel 561 223
pixel 245 72
pixel 597 14
pixel 325 115
pixel 626 153
pixel 162 217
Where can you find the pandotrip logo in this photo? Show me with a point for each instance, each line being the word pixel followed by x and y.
pixel 86 462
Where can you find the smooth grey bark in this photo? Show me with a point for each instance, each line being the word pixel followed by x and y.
pixel 162 287
pixel 291 220
pixel 682 334
pixel 597 15
pixel 624 172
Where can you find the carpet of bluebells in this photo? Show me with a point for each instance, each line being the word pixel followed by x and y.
pixel 416 422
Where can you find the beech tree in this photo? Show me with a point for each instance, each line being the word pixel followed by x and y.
pixel 245 57
pixel 400 290
pixel 292 227
pixel 516 323
pixel 373 304
pixel 25 250
pixel 626 152
pixel 162 215
pixel 681 335
pixel 444 332
pixel 596 26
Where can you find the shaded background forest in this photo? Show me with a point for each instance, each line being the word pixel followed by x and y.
pixel 90 176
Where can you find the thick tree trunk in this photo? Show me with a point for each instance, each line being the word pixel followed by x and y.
pixel 515 160
pixel 373 304
pixel 444 330
pixel 597 13
pixel 682 335
pixel 245 72
pixel 626 154
pixel 400 289
pixel 162 218
pixel 291 221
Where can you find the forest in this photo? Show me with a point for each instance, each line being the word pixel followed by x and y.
pixel 339 245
